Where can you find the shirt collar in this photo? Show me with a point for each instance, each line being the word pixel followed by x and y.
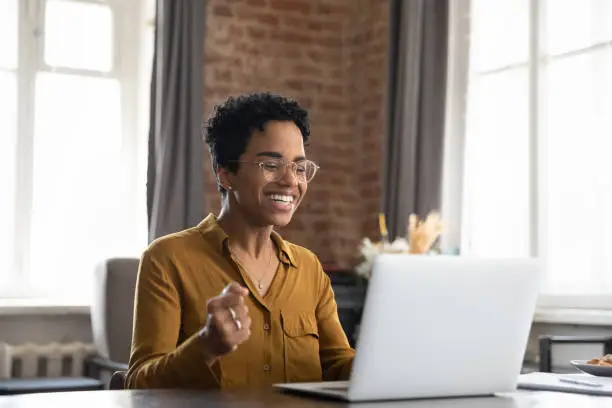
pixel 210 229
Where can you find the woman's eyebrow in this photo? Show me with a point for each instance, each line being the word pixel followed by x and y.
pixel 270 154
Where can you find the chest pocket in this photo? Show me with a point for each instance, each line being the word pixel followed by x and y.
pixel 301 346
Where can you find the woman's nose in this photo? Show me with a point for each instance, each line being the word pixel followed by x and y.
pixel 290 176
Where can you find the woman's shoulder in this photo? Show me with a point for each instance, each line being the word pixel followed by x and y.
pixel 170 244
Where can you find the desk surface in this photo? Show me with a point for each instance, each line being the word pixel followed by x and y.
pixel 232 399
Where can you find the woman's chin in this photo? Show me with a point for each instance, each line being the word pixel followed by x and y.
pixel 280 220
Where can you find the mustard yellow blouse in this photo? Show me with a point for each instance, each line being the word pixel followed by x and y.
pixel 295 334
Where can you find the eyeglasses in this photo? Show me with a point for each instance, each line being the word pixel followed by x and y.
pixel 276 169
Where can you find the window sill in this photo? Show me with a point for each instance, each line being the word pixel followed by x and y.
pixel 38 307
pixel 584 317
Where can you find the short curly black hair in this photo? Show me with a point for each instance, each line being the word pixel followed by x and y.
pixel 228 131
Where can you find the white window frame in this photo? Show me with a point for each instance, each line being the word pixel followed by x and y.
pixel 453 182
pixel 129 64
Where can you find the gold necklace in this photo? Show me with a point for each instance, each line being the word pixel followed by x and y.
pixel 259 281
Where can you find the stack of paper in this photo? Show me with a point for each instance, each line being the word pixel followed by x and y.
pixel 574 383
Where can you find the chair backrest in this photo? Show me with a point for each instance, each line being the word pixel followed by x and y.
pixel 112 308
pixel 117 381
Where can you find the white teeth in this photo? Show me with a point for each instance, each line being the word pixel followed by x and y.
pixel 281 197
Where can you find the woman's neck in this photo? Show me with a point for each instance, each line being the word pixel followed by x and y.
pixel 252 240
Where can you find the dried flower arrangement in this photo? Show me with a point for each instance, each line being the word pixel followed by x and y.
pixel 420 238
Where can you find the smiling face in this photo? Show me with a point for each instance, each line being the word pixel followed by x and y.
pixel 263 198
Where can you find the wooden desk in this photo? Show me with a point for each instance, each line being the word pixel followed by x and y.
pixel 232 399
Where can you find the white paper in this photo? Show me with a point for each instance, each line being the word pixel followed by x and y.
pixel 553 382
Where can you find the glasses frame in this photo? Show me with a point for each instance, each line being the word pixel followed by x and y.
pixel 286 164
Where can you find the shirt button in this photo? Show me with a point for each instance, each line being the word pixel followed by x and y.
pixel 266 367
pixel 266 327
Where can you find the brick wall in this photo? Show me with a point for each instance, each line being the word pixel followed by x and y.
pixel 368 50
pixel 330 55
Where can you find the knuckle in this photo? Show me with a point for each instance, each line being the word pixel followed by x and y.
pixel 213 304
pixel 245 335
pixel 217 316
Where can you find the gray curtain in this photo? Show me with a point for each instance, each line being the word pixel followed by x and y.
pixel 175 177
pixel 414 148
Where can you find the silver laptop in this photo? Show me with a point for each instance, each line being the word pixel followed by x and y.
pixel 438 326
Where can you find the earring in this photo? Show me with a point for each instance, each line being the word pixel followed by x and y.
pixel 230 188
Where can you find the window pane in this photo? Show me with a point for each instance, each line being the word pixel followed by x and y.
pixel 500 33
pixel 80 211
pixel 497 166
pixel 578 220
pixel 8 140
pixel 572 25
pixel 79 35
pixel 8 33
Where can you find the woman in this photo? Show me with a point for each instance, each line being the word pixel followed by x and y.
pixel 229 303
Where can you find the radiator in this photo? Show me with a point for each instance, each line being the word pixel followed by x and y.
pixel 31 360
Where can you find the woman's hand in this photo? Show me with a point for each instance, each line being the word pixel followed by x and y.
pixel 228 323
pixel 423 234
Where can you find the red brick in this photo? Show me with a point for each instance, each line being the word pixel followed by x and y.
pixel 222 75
pixel 217 89
pixel 371 114
pixel 248 47
pixel 327 55
pixel 296 22
pixel 293 37
pixel 321 225
pixel 295 84
pixel 266 19
pixel 305 103
pixel 256 33
pixel 329 41
pixel 223 10
pixel 370 177
pixel 298 6
pixel 305 70
pixel 336 75
pixel 284 53
pixel 260 15
pixel 336 8
pixel 335 90
pixel 335 26
pixel 235 32
pixel 332 105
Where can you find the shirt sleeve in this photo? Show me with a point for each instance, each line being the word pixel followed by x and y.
pixel 335 351
pixel 156 361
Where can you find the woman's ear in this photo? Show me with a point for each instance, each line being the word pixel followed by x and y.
pixel 223 178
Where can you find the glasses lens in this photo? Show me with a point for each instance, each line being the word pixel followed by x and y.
pixel 273 169
pixel 309 170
